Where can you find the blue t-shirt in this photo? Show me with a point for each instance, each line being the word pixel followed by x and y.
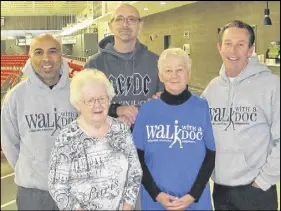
pixel 174 139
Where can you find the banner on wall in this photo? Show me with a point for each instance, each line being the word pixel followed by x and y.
pixel 68 40
pixel 20 42
pixel 23 41
pixel 28 40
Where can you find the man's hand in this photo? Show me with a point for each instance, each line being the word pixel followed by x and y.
pixel 182 203
pixel 165 199
pixel 255 185
pixel 129 111
pixel 125 120
pixel 127 206
pixel 157 95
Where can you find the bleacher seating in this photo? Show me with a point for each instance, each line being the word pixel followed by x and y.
pixel 15 63
pixel 10 62
pixel 74 66
pixel 14 57
pixel 15 74
pixel 11 73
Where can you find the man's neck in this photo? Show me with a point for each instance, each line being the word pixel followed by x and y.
pixel 124 47
pixel 50 82
pixel 232 72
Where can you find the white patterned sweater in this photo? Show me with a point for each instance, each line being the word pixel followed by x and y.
pixel 94 174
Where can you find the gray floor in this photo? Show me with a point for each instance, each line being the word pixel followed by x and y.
pixel 8 187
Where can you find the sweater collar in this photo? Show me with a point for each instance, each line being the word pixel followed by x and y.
pixel 175 99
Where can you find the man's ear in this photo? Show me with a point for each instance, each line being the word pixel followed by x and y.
pixel 110 27
pixel 219 47
pixel 141 25
pixel 251 50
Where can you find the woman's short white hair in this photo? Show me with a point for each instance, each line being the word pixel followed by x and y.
pixel 177 52
pixel 85 77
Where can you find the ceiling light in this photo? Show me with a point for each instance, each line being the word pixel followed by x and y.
pixel 76 27
pixel 145 8
pixel 267 20
pixel 162 2
pixel 28 35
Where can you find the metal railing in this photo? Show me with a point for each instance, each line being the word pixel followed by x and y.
pixel 8 84
pixel 196 90
pixel 77 58
pixel 5 87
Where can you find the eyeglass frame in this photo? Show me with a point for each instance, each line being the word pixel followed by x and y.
pixel 126 19
pixel 95 100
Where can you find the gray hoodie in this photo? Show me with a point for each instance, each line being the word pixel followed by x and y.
pixel 245 116
pixel 31 117
pixel 134 77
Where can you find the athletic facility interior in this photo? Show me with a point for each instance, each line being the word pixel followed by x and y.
pixel 193 26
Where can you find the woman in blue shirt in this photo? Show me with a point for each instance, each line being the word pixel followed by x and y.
pixel 174 138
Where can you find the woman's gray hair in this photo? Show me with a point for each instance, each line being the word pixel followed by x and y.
pixel 178 52
pixel 85 77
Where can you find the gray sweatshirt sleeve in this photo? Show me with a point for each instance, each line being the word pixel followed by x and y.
pixel 10 136
pixel 134 177
pixel 91 63
pixel 58 178
pixel 270 171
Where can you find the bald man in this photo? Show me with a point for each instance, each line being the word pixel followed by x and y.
pixel 32 115
pixel 128 64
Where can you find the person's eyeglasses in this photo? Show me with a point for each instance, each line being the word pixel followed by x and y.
pixel 92 101
pixel 131 20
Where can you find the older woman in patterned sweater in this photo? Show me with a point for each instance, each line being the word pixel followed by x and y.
pixel 94 165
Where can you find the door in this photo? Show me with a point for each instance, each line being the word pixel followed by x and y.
pixel 167 41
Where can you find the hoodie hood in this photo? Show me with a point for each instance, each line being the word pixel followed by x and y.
pixel 106 45
pixel 36 81
pixel 253 67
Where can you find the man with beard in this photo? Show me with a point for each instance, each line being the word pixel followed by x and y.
pixel 129 65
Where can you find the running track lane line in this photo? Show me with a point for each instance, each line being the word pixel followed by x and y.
pixel 10 202
pixel 9 175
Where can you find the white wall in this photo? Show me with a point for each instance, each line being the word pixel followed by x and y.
pixel 102 29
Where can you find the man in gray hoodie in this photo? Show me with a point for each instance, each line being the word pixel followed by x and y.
pixel 129 65
pixel 32 114
pixel 244 105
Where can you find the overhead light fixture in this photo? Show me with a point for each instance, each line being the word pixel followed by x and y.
pixel 76 27
pixel 145 8
pixel 267 20
pixel 28 35
pixel 162 2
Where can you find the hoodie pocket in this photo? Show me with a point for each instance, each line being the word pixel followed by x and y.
pixel 231 168
pixel 255 161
